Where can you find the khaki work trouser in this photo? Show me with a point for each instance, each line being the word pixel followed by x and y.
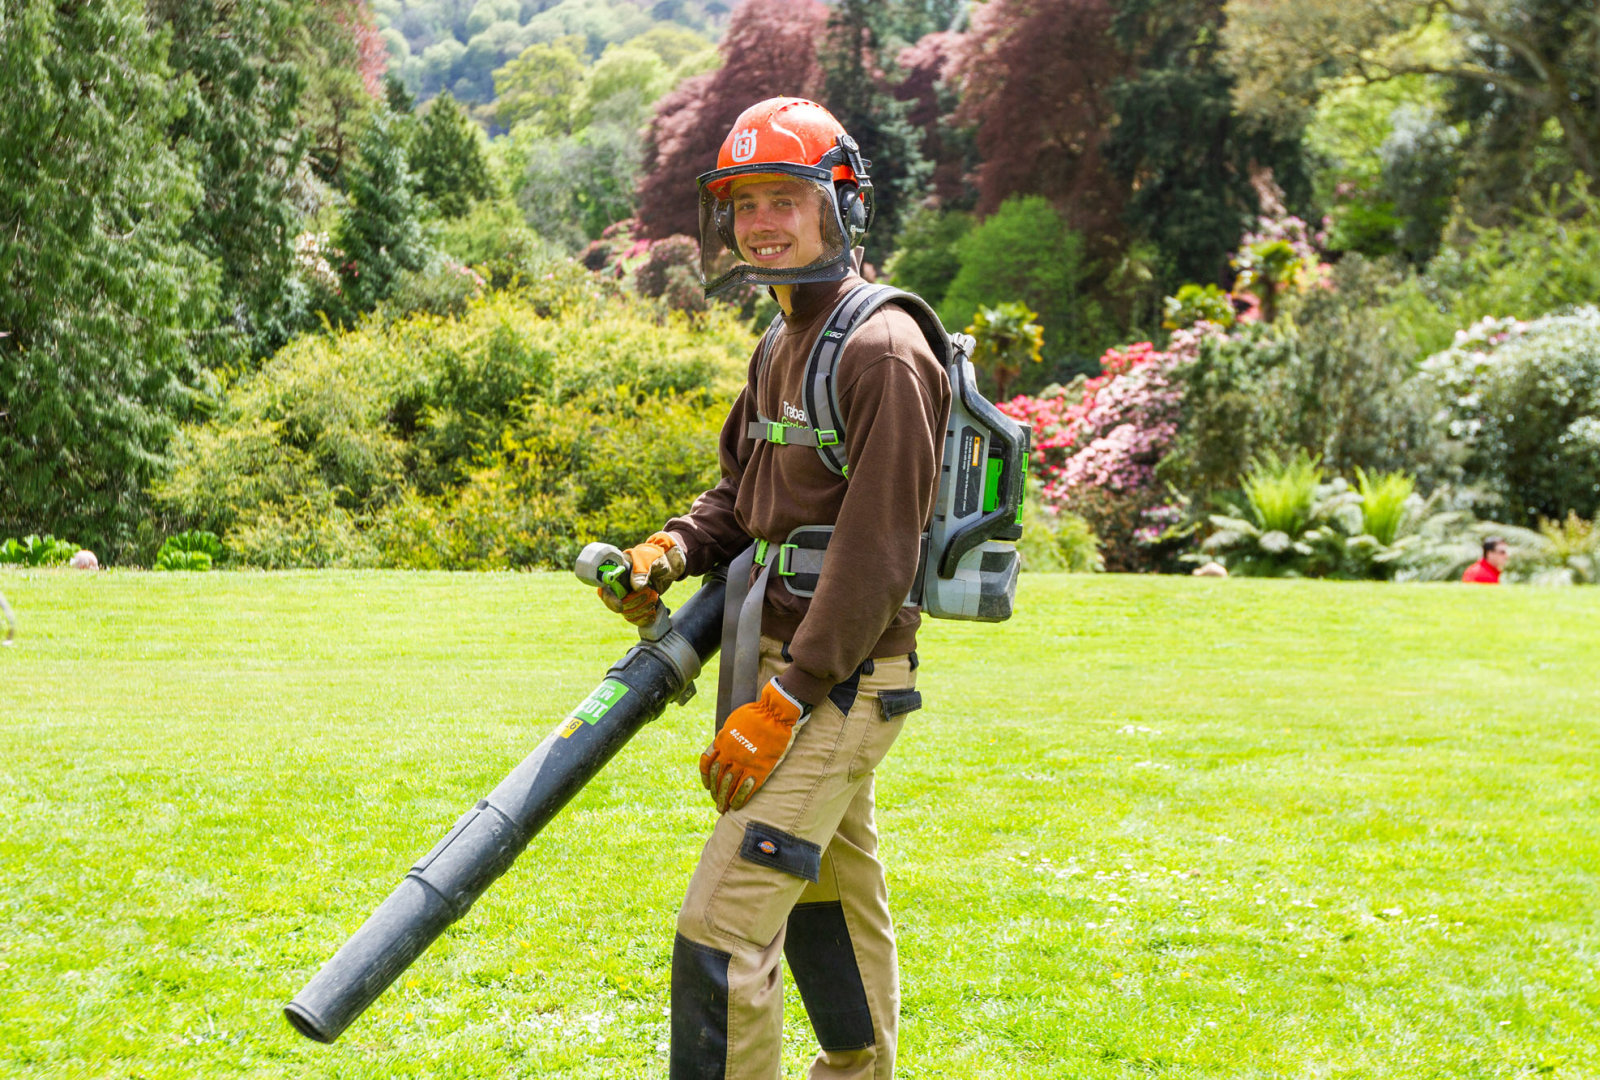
pixel 795 872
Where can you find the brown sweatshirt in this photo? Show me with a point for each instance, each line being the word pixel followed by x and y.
pixel 894 401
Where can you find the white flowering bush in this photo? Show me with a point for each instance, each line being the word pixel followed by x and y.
pixel 1523 400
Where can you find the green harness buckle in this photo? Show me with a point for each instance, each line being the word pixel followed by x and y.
pixel 784 552
pixel 761 553
pixel 828 437
pixel 775 432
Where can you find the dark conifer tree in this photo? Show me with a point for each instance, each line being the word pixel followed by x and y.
pixel 239 128
pixel 857 91
pixel 103 298
pixel 378 233
pixel 1183 152
pixel 448 160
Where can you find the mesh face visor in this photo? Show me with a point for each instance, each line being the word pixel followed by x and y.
pixel 769 225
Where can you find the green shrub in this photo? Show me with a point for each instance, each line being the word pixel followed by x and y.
pixel 1195 303
pixel 1332 378
pixel 1523 399
pixel 1026 252
pixel 925 260
pixel 1547 260
pixel 344 448
pixel 607 466
pixel 34 550
pixel 1570 553
pixel 494 240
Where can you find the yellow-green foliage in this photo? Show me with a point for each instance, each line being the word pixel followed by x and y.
pixel 502 438
pixel 608 466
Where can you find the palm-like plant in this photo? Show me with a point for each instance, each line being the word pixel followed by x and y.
pixel 1005 338
pixel 1296 524
pixel 1385 499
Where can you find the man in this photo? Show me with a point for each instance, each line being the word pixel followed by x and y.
pixel 791 864
pixel 1486 571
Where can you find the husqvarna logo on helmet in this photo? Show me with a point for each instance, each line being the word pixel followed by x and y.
pixel 744 145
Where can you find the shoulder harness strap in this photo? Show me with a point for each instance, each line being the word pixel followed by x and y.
pixel 764 356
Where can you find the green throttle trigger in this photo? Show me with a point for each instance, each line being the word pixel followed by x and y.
pixel 617 577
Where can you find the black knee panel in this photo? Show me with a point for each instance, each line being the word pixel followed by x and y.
pixel 824 966
pixel 699 1012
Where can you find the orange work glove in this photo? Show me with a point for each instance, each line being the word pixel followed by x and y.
pixel 657 563
pixel 753 741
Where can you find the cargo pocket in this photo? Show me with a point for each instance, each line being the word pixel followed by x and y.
pixel 767 846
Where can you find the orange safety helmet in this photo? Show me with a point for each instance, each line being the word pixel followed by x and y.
pixel 790 137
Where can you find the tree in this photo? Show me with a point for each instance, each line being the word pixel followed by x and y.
pixel 1036 76
pixel 929 85
pixel 538 87
pixel 576 185
pixel 238 126
pixel 768 50
pixel 448 159
pixel 925 260
pixel 1177 143
pixel 340 54
pixel 856 91
pixel 378 233
pixel 673 44
pixel 1517 64
pixel 620 87
pixel 396 96
pixel 103 297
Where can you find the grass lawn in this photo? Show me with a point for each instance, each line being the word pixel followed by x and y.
pixel 1150 827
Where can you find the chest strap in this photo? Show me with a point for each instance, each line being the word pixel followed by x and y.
pixel 776 431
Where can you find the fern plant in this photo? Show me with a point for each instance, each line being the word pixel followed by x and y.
pixel 1385 503
pixel 1293 524
pixel 1282 493
pixel 195 550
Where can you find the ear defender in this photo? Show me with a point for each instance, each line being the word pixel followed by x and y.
pixel 723 216
pixel 855 210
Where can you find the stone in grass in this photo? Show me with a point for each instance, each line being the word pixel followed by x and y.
pixel 1211 569
pixel 84 560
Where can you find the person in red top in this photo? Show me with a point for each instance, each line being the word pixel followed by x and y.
pixel 1486 571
